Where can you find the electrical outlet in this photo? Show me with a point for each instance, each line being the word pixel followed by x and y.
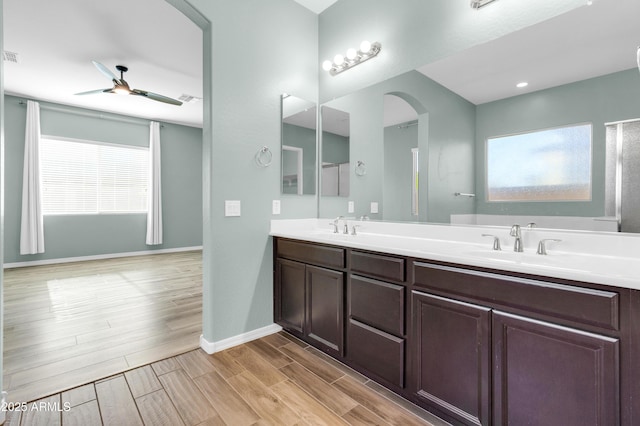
pixel 275 207
pixel 232 207
pixel 374 207
pixel 351 207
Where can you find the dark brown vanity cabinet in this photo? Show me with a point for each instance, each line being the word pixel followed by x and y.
pixel 472 345
pixel 376 316
pixel 308 296
pixel 479 365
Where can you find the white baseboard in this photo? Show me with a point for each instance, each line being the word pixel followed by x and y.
pixel 213 347
pixel 97 257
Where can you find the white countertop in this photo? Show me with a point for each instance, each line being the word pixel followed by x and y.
pixel 594 257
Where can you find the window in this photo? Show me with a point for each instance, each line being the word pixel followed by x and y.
pixel 546 165
pixel 85 177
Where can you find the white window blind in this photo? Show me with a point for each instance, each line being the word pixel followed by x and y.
pixel 86 177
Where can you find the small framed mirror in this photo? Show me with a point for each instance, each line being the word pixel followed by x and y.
pixel 336 170
pixel 299 125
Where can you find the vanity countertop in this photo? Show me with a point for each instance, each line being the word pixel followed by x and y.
pixel 594 257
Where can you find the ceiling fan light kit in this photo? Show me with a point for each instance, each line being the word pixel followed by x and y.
pixel 121 87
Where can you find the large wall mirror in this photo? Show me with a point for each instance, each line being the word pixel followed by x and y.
pixel 423 134
pixel 299 127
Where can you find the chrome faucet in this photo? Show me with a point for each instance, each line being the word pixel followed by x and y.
pixel 335 223
pixel 515 232
pixel 542 248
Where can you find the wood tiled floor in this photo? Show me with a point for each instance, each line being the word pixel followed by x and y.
pixel 275 380
pixel 69 324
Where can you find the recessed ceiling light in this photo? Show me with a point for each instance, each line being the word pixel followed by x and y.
pixel 522 84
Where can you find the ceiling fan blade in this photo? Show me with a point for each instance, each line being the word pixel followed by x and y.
pixel 104 70
pixel 156 97
pixel 93 92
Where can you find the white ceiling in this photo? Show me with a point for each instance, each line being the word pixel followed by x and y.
pixel 587 42
pixel 56 41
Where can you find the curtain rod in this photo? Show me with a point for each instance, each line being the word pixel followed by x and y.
pixel 140 121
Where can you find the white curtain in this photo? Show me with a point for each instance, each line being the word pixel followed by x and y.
pixel 31 226
pixel 154 209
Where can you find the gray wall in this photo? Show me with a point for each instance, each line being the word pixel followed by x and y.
pixel 85 235
pixel 598 101
pixel 335 148
pixel 254 51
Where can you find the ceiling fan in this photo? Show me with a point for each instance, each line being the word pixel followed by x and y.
pixel 120 86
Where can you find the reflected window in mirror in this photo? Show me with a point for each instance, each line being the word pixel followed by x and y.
pixel 298 146
pixel 546 165
pixel 336 171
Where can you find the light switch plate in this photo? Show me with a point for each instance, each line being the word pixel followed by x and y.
pixel 351 207
pixel 232 207
pixel 275 207
pixel 374 207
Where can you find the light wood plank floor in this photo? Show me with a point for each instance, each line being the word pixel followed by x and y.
pixel 69 324
pixel 276 380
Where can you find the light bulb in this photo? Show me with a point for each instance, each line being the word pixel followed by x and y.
pixel 365 46
pixel 352 54
pixel 338 59
pixel 326 65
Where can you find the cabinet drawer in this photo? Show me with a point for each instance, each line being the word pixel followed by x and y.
pixel 377 303
pixel 387 267
pixel 332 257
pixel 574 304
pixel 376 351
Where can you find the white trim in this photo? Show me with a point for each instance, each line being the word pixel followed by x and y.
pixel 220 345
pixel 98 257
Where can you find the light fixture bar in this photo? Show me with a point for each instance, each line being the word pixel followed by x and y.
pixel 353 57
pixel 477 4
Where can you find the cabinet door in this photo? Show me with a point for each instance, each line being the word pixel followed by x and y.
pixel 545 374
pixel 325 308
pixel 290 295
pixel 452 344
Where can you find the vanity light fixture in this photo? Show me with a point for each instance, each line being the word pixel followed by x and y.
pixel 477 4
pixel 352 58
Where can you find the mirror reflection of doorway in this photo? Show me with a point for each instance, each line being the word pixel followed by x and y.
pixel 401 183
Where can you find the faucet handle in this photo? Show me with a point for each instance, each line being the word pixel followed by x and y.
pixel 335 227
pixel 353 229
pixel 542 248
pixel 496 241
